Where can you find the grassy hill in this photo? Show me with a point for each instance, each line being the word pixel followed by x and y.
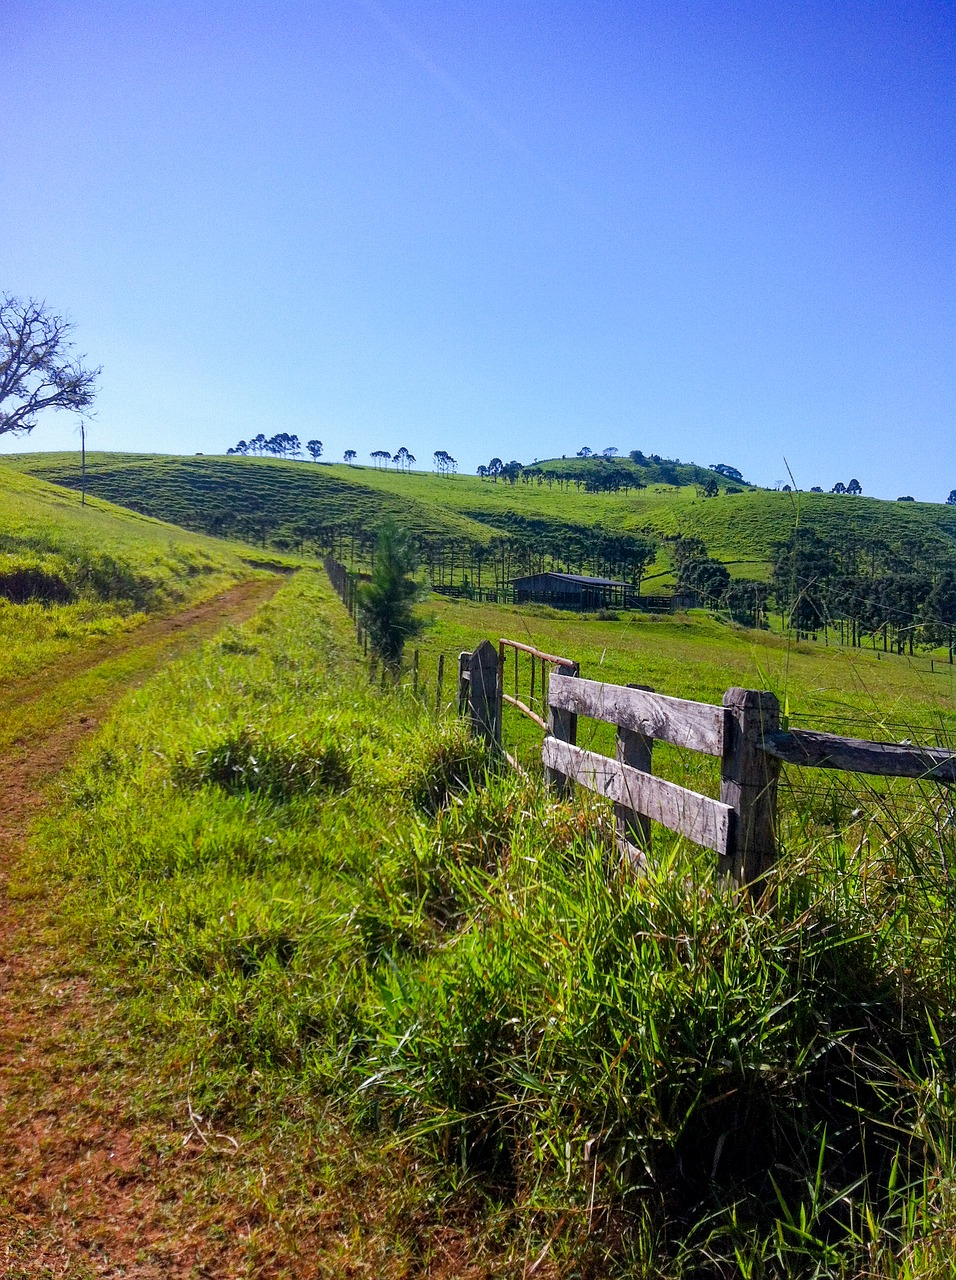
pixel 284 503
pixel 71 574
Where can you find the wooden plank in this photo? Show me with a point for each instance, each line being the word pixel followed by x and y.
pixel 697 725
pixel 856 755
pixel 705 821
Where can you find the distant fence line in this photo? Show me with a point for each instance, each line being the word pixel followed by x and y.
pixel 346 583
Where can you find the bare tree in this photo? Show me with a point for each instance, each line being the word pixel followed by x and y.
pixel 37 367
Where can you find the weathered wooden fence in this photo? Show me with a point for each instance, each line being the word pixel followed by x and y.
pixel 743 733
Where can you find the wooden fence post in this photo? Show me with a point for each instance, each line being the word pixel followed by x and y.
pixel 633 830
pixel 562 725
pixel 439 680
pixel 484 700
pixel 748 783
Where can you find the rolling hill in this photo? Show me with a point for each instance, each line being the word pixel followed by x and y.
pixel 286 503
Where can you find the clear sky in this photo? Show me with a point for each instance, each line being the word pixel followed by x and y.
pixel 719 231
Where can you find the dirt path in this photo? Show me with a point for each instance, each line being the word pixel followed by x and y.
pixel 92 1184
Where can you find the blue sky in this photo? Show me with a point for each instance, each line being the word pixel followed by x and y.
pixel 714 231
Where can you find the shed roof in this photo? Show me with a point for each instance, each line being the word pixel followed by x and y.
pixel 580 579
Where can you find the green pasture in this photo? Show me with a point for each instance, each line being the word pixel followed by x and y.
pixel 267 500
pixel 322 908
pixel 72 575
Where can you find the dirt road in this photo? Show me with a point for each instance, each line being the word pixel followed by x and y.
pixel 91 1183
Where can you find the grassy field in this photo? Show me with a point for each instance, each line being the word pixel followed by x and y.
pixel 323 912
pixel 266 499
pixel 338 928
pixel 72 576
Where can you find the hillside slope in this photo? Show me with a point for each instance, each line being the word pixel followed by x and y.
pixel 285 502
pixel 71 574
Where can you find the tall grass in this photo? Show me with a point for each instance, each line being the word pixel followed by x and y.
pixel 312 891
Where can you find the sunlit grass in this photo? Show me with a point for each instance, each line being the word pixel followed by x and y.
pixel 315 895
pixel 72 575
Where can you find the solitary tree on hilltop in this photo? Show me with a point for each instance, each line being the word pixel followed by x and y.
pixel 839 487
pixel 609 452
pixel 951 500
pixel 854 487
pixel 585 452
pixel 315 449
pixel 731 473
pixel 350 456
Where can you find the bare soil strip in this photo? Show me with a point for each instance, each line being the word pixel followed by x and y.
pixel 90 1184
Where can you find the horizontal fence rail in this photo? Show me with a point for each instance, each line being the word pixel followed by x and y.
pixel 559 723
pixel 705 821
pixel 699 726
pixel 855 755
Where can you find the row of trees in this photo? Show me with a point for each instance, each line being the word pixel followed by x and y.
pixel 281 445
pixel 402 458
pixel 601 480
pixel 529 546
pixel 894 596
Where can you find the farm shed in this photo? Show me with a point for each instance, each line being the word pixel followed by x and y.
pixel 573 591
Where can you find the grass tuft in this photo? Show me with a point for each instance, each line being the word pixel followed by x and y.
pixel 251 759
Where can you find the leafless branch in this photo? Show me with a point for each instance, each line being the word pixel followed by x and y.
pixel 37 367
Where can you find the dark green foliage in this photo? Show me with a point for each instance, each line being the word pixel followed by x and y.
pixel 22 583
pixel 385 601
pixel 697 572
pixel 731 473
pixel 745 600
